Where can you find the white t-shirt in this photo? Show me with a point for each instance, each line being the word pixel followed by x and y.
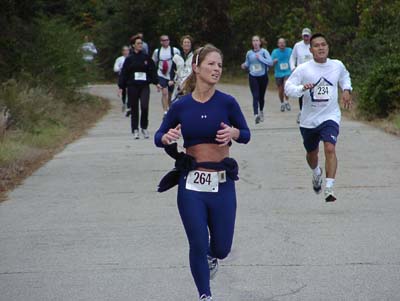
pixel 320 103
pixel 300 54
pixel 89 50
pixel 119 62
pixel 165 55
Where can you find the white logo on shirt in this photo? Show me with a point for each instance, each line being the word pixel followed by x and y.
pixel 203 116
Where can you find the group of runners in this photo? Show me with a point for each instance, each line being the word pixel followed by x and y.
pixel 167 68
pixel 209 121
pixel 284 60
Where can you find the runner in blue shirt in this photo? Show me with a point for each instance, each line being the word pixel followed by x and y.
pixel 257 62
pixel 281 58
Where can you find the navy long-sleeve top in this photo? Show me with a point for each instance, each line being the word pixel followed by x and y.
pixel 201 121
pixel 133 68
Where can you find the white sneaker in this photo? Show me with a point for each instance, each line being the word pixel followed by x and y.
pixel 145 134
pixel 298 117
pixel 283 107
pixel 257 119
pixel 136 134
pixel 288 107
pixel 213 266
pixel 329 194
pixel 261 116
pixel 317 182
pixel 205 298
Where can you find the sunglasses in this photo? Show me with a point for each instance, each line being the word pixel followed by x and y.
pixel 165 40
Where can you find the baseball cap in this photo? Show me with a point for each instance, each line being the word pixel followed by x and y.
pixel 306 31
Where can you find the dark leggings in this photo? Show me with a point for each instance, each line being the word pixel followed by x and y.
pixel 136 93
pixel 123 97
pixel 258 86
pixel 205 213
pixel 301 102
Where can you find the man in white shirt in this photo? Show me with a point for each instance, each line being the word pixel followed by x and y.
pixel 301 54
pixel 117 69
pixel 88 50
pixel 162 57
pixel 318 81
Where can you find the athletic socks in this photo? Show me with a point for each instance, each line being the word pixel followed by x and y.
pixel 329 182
pixel 317 171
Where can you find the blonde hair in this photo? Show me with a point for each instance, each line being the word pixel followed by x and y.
pixel 198 57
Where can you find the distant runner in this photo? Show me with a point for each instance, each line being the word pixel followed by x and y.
pixel 183 65
pixel 318 81
pixel 301 54
pixel 88 50
pixel 257 62
pixel 281 57
pixel 117 69
pixel 163 58
pixel 138 72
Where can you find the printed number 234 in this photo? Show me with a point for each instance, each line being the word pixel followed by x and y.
pixel 323 90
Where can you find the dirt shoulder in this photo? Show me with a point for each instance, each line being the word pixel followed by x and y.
pixel 80 116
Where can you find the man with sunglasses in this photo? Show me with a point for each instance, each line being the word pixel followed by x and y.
pixel 163 59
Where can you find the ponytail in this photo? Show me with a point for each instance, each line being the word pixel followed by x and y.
pixel 189 84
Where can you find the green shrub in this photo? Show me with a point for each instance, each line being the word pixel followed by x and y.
pixel 379 90
pixel 31 108
pixel 55 58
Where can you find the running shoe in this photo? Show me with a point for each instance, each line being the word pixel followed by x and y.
pixel 128 112
pixel 261 116
pixel 329 194
pixel 257 119
pixel 288 107
pixel 205 298
pixel 145 133
pixel 298 117
pixel 282 107
pixel 212 266
pixel 317 182
pixel 136 134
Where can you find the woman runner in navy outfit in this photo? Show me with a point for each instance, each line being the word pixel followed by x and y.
pixel 208 120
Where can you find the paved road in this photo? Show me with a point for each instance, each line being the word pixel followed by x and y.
pixel 90 226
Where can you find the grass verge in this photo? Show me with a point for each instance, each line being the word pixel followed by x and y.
pixel 22 152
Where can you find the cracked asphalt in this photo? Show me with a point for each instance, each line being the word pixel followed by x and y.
pixel 89 225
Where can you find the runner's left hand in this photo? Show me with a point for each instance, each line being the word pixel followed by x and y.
pixel 226 134
pixel 346 99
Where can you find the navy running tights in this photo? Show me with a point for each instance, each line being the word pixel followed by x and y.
pixel 204 214
pixel 135 94
pixel 258 86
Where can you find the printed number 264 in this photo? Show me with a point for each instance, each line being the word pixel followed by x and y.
pixel 202 178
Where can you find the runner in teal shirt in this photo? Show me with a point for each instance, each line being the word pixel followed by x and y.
pixel 281 57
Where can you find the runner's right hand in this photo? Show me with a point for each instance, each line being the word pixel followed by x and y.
pixel 308 86
pixel 172 135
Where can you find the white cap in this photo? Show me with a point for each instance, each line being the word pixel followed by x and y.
pixel 306 32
